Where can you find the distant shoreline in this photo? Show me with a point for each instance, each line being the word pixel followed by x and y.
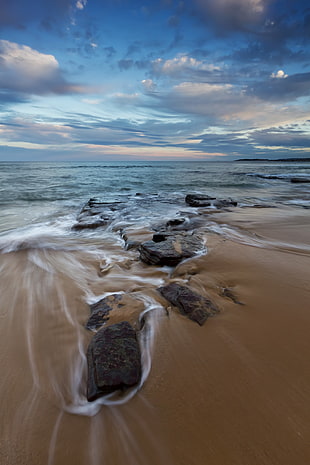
pixel 287 160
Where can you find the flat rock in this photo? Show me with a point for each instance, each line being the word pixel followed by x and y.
pixel 100 311
pixel 114 360
pixel 170 250
pixel 195 306
pixel 225 203
pixel 199 200
pixel 95 214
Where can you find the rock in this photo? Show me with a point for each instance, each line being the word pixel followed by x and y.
pixel 162 236
pixel 114 360
pixel 300 180
pixel 132 245
pixel 175 222
pixel 225 203
pixel 171 250
pixel 227 292
pixel 91 223
pixel 198 200
pixel 95 214
pixel 100 311
pixel 189 303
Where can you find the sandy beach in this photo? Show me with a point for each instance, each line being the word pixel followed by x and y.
pixel 232 392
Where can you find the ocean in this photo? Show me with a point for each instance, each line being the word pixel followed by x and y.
pixel 51 272
pixel 49 195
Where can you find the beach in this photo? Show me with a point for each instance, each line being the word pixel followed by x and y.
pixel 233 391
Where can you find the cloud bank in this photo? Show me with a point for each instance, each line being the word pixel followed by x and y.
pixel 25 71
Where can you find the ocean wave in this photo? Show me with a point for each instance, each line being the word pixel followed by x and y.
pixel 280 176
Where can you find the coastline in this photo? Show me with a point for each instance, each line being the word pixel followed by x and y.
pixel 234 391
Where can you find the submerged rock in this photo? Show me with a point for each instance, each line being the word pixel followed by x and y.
pixel 89 223
pixel 170 249
pixel 193 305
pixel 198 200
pixel 114 360
pixel 225 203
pixel 100 311
pixel 175 222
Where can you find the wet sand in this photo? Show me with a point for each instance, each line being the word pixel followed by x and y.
pixel 235 391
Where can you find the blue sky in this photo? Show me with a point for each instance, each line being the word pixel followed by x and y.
pixel 166 79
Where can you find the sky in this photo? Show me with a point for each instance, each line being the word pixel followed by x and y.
pixel 154 80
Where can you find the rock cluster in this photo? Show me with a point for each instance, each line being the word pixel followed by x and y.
pixel 170 249
pixel 200 200
pixel 113 355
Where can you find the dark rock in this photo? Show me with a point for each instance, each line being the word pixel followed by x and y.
pixel 100 311
pixel 300 180
pixel 162 236
pixel 90 223
pixel 189 303
pixel 225 203
pixel 175 222
pixel 95 214
pixel 198 200
pixel 171 250
pixel 132 245
pixel 114 360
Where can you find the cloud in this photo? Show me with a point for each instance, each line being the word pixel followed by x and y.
pixel 24 131
pixel 81 4
pixel 149 85
pixel 180 65
pixel 229 15
pixel 20 13
pixel 26 71
pixel 282 88
pixel 226 105
pixel 126 64
pixel 284 137
pixel 202 99
pixel 279 74
pixel 109 51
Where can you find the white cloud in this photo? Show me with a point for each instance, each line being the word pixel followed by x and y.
pixel 223 104
pixel 196 89
pixel 279 75
pixel 149 85
pixel 180 65
pixel 30 63
pixel 80 4
pixel 25 70
pixel 254 6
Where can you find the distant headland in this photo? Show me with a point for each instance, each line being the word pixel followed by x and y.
pixel 283 160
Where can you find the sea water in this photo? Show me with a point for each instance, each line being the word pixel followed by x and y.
pixel 50 194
